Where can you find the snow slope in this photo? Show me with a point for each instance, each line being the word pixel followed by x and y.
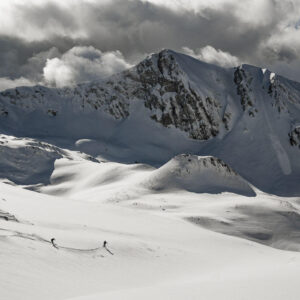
pixel 198 174
pixel 160 243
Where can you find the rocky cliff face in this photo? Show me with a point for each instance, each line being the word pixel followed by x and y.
pixel 173 101
pixel 243 81
pixel 295 136
pixel 282 93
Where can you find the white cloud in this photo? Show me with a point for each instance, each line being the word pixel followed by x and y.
pixel 214 56
pixel 81 64
pixel 7 83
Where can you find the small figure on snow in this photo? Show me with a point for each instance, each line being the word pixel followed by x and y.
pixel 105 247
pixel 53 243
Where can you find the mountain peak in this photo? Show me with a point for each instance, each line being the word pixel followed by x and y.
pixel 163 62
pixel 173 103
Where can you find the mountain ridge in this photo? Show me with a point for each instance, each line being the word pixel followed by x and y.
pixel 169 104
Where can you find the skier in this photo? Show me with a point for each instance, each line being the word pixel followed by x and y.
pixel 53 243
pixel 105 247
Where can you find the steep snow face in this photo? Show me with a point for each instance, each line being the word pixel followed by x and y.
pixel 198 174
pixel 40 111
pixel 168 104
pixel 29 161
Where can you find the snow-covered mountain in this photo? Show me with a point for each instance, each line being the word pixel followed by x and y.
pixel 169 104
pixel 166 163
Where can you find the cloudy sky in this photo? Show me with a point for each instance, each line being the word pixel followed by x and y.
pixel 60 43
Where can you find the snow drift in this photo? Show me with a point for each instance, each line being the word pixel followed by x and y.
pixel 198 174
pixel 26 161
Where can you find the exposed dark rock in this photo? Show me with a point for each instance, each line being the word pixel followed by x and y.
pixel 294 136
pixel 173 102
pixel 243 83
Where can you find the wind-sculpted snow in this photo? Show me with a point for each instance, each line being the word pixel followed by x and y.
pixel 28 161
pixel 198 174
pixel 7 216
pixel 273 222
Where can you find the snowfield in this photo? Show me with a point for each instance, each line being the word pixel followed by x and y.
pixel 190 173
pixel 167 243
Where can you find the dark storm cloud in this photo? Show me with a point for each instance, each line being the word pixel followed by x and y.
pixel 285 53
pixel 136 28
pixel 21 58
pixel 48 15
